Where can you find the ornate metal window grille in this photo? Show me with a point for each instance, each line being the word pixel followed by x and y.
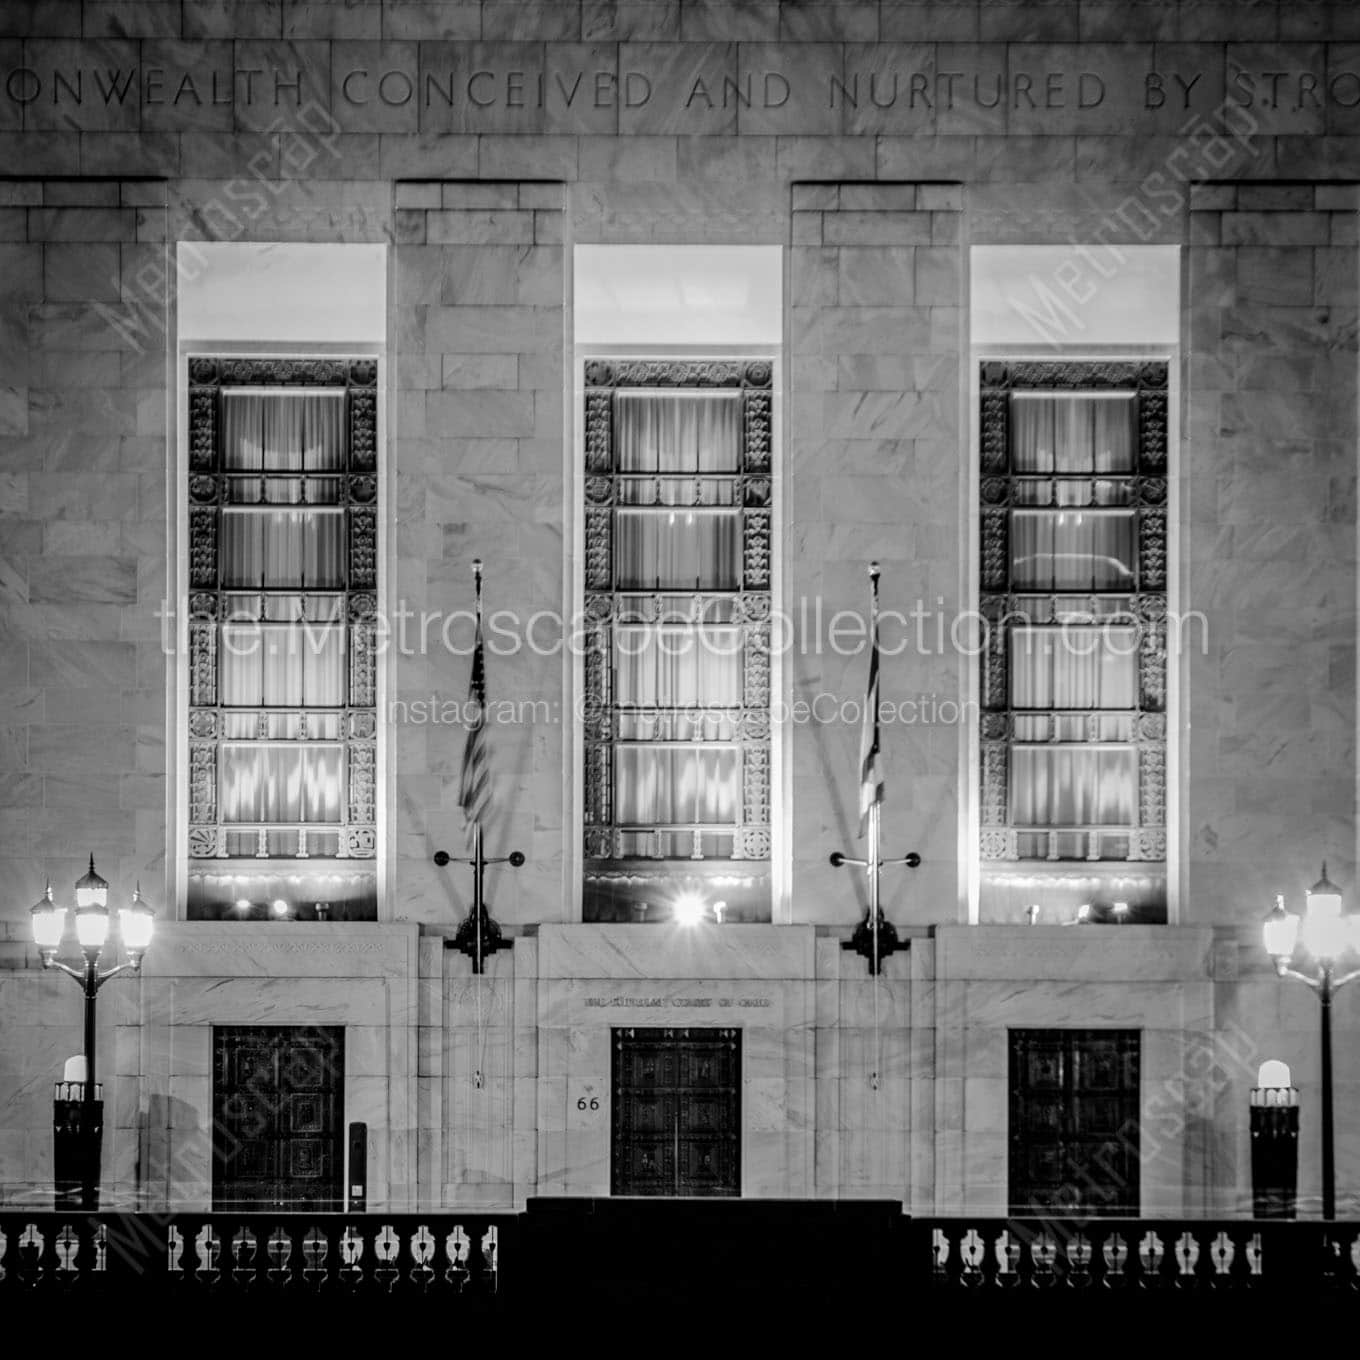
pixel 339 738
pixel 620 608
pixel 1128 607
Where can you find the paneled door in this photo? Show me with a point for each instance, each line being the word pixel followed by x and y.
pixel 1074 1121
pixel 278 1111
pixel 676 1112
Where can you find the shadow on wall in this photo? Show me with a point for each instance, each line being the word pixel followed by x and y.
pixel 174 1155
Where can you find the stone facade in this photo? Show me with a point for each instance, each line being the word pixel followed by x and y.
pixel 480 366
pixel 876 318
pixel 876 142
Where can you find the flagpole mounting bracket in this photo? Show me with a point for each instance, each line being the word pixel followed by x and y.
pixel 874 951
pixel 478 934
pixel 875 937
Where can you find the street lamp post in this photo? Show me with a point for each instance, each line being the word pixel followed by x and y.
pixel 135 925
pixel 1327 933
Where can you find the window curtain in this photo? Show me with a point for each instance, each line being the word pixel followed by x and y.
pixel 1083 668
pixel 686 676
pixel 1061 435
pixel 267 666
pixel 678 550
pixel 281 783
pixel 284 650
pixel 279 549
pixel 1055 786
pixel 674 786
pixel 676 667
pixel 283 431
pixel 1073 549
pixel 677 434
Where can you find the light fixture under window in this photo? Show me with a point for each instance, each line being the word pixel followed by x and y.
pixel 689 909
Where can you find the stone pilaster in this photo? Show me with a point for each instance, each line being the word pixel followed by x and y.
pixel 875 471
pixel 478 431
pixel 83 472
pixel 1269 524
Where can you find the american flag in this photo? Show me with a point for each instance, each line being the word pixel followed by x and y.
pixel 474 793
pixel 870 756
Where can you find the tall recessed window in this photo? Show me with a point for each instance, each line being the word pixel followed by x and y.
pixel 1073 568
pixel 678 505
pixel 283 568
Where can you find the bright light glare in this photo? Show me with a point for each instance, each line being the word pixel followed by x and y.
pixel 92 927
pixel 137 925
pixel 689 909
pixel 280 907
pixel 1326 935
pixel 49 924
pixel 1281 932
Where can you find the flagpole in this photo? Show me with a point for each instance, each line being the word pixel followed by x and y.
pixel 478 859
pixel 477 935
pixel 478 866
pixel 875 807
pixel 875 938
pixel 875 827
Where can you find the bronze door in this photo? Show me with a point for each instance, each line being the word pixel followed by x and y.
pixel 1074 1121
pixel 676 1112
pixel 278 1111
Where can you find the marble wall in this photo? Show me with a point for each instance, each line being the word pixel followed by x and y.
pixel 479 340
pixel 877 208
pixel 539 1029
pixel 1269 523
pixel 877 211
pixel 874 472
pixel 934 1132
pixel 419 1027
pixel 83 534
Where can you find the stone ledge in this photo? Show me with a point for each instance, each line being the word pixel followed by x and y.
pixel 659 952
pixel 1073 953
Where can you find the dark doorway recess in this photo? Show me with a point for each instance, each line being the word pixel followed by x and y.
pixel 278 1117
pixel 1074 1131
pixel 676 1112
